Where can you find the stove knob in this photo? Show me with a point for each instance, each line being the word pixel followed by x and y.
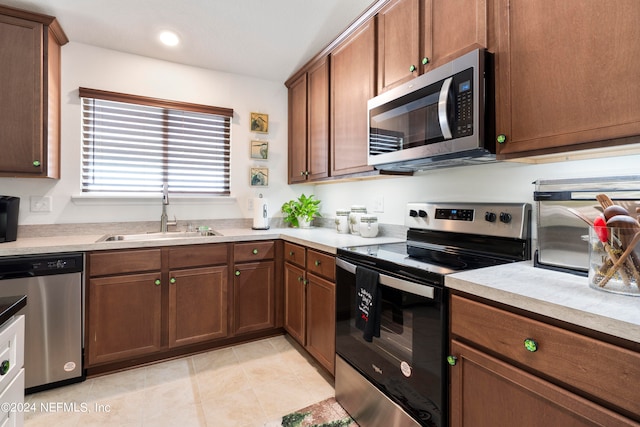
pixel 490 216
pixel 413 213
pixel 422 213
pixel 505 217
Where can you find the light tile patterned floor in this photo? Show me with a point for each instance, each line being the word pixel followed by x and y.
pixel 246 385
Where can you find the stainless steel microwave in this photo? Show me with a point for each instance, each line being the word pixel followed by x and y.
pixel 443 118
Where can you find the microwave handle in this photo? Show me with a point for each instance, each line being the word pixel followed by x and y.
pixel 392 282
pixel 442 108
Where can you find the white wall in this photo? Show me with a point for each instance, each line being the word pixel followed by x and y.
pixel 96 68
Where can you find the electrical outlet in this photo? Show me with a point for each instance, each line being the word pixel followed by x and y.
pixel 378 204
pixel 40 203
pixel 250 203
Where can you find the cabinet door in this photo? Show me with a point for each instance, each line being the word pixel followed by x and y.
pixel 457 26
pixel 254 297
pixel 318 119
pixel 398 43
pixel 321 321
pixel 197 305
pixel 294 302
pixel 566 75
pixel 21 105
pixel 486 392
pixel 298 169
pixel 124 317
pixel 352 66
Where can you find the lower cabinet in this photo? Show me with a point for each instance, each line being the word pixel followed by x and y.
pixel 309 293
pixel 254 287
pixel 508 369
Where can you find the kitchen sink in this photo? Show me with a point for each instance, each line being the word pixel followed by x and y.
pixel 156 236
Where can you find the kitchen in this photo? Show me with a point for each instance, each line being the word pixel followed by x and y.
pixel 87 65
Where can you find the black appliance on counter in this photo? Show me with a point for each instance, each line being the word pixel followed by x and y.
pixel 400 377
pixel 9 207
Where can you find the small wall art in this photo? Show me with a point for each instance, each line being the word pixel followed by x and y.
pixel 259 122
pixel 259 150
pixel 259 177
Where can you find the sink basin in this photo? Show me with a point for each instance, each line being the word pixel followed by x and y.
pixel 155 236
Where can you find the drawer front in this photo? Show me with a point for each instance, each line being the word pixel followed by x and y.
pixel 295 254
pixel 321 264
pixel 253 251
pixel 11 349
pixel 14 396
pixel 124 261
pixel 198 255
pixel 597 368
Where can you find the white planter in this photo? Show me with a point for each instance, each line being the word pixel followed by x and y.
pixel 303 223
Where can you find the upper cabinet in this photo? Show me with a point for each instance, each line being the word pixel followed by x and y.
pixel 352 85
pixel 415 36
pixel 566 75
pixel 309 124
pixel 30 86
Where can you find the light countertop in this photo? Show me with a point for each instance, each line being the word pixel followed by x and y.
pixel 562 296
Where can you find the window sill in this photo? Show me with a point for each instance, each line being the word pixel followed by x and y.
pixel 148 199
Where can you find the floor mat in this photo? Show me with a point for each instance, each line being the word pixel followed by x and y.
pixel 327 413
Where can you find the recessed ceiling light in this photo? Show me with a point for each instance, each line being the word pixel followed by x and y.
pixel 169 38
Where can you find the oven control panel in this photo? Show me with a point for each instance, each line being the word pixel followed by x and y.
pixel 490 219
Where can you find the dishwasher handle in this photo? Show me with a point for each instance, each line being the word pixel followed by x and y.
pixel 392 282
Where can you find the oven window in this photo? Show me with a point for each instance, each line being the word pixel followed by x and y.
pixel 407 361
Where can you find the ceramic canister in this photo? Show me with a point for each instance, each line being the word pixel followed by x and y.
pixel 368 226
pixel 342 221
pixel 354 218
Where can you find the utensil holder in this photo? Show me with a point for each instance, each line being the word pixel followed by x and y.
pixel 614 260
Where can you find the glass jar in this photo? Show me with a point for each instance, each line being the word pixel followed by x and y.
pixel 368 226
pixel 354 218
pixel 342 221
pixel 607 245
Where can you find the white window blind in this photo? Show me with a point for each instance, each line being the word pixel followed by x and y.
pixel 138 144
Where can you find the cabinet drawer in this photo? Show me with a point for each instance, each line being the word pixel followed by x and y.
pixel 253 251
pixel 594 367
pixel 123 261
pixel 11 348
pixel 295 254
pixel 321 264
pixel 198 255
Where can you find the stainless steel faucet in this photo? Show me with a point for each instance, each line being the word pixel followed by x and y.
pixel 164 219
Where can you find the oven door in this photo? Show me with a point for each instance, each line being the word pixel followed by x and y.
pixel 406 363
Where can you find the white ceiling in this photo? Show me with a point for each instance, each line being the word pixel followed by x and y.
pixel 269 39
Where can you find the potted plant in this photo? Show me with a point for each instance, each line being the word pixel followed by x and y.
pixel 301 211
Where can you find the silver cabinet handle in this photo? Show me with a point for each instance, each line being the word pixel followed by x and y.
pixel 442 108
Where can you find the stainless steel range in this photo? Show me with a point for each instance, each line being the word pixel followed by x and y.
pixel 392 307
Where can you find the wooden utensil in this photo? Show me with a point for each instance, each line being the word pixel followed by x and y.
pixel 620 261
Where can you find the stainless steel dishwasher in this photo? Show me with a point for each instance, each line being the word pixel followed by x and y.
pixel 53 315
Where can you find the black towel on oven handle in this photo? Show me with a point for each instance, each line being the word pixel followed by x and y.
pixel 368 303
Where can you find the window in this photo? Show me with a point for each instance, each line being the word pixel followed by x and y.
pixel 136 144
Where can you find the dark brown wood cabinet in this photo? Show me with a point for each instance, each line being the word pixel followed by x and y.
pixel 309 124
pixel 310 301
pixel 566 75
pixel 353 83
pixel 513 370
pixel 254 287
pixel 147 301
pixel 30 52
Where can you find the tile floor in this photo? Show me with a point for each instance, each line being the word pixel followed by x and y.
pixel 247 385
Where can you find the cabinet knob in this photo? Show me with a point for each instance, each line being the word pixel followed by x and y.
pixel 255 251
pixel 502 138
pixel 300 279
pixel 452 360
pixel 4 367
pixel 36 163
pixel 172 280
pixel 237 272
pixel 317 263
pixel 531 345
pixel 157 282
pixel 425 60
pixel 301 173
pixel 291 253
pixel 412 68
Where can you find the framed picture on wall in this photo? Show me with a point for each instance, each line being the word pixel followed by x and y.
pixel 259 150
pixel 259 177
pixel 259 122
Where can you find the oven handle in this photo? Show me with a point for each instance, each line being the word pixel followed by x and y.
pixel 393 282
